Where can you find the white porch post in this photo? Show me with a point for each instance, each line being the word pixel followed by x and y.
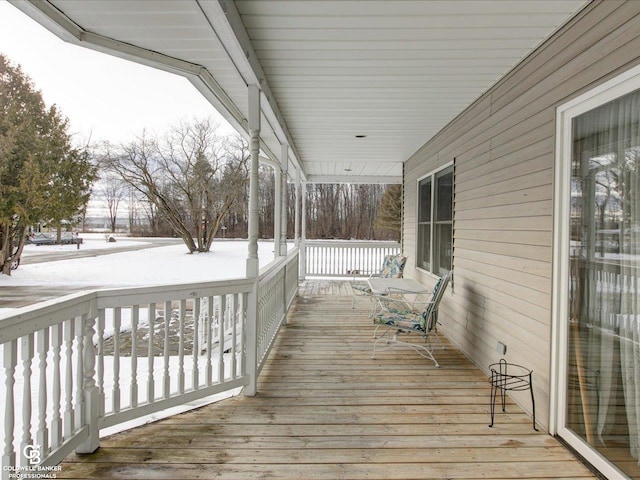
pixel 284 162
pixel 277 211
pixel 303 251
pixel 296 234
pixel 253 267
pixel 254 132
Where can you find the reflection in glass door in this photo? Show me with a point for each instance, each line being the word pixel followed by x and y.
pixel 602 390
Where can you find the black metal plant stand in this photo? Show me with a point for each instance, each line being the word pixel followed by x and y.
pixel 510 377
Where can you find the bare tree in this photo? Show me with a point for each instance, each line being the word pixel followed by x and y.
pixel 113 191
pixel 192 177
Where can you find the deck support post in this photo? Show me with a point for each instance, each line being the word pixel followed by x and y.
pixel 284 165
pixel 296 232
pixel 277 210
pixel 253 266
pixel 254 146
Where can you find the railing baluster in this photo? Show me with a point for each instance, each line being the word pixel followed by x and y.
pixel 135 317
pixel 79 406
pixel 10 362
pixel 234 333
pixel 222 306
pixel 227 317
pixel 181 313
pixel 100 373
pixel 26 352
pixel 42 436
pixel 56 418
pixel 117 323
pixel 166 381
pixel 90 400
pixel 243 354
pixel 209 334
pixel 150 353
pixel 196 342
pixel 68 380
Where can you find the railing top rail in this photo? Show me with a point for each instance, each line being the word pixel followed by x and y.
pixel 274 267
pixel 142 295
pixel 29 319
pixel 353 243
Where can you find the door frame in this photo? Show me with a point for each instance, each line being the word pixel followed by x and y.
pixel 608 91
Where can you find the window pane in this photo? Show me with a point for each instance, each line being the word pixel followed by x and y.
pixel 445 244
pixel 424 202
pixel 444 195
pixel 603 385
pixel 424 245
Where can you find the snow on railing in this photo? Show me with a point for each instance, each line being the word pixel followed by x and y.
pixel 88 361
pixel 346 258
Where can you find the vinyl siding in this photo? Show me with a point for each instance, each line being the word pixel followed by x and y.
pixel 503 146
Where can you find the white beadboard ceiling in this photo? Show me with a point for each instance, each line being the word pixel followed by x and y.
pixel 395 71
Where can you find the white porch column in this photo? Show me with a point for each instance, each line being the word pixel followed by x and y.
pixel 296 234
pixel 253 267
pixel 303 251
pixel 254 131
pixel 284 162
pixel 277 211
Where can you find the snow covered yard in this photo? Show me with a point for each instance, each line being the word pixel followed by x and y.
pixel 152 266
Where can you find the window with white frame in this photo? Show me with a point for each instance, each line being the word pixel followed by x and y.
pixel 435 221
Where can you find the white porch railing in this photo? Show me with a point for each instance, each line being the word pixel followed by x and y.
pixel 277 288
pixel 335 258
pixel 92 360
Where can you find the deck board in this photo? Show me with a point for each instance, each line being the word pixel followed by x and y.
pixel 326 410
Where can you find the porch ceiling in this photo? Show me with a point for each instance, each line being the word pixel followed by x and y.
pixel 395 71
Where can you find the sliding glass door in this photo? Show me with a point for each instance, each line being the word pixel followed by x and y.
pixel 599 384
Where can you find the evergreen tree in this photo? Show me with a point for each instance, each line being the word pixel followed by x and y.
pixel 42 176
pixel 390 211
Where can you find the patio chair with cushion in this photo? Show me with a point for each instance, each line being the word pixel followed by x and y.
pixel 392 267
pixel 397 317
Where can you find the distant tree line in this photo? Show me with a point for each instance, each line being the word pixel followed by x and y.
pixel 334 211
pixel 374 214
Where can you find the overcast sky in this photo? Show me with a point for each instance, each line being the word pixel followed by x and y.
pixel 105 98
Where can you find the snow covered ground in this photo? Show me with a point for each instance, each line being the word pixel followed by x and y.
pixel 152 266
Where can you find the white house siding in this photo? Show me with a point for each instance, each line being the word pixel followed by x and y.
pixel 503 146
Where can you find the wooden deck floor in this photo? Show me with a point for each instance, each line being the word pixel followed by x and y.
pixel 326 410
